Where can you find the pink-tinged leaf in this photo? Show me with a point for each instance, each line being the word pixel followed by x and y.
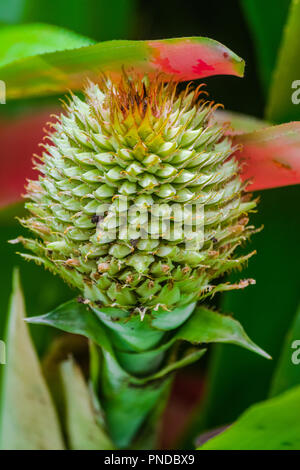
pixel 180 59
pixel 19 139
pixel 270 157
pixel 192 58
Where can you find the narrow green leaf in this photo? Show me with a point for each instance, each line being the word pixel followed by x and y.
pixel 20 41
pixel 287 372
pixel 77 318
pixel 262 16
pixel 53 72
pixel 95 365
pixel 283 103
pixel 27 416
pixel 271 425
pixel 99 19
pixel 206 326
pixel 188 359
pixel 83 431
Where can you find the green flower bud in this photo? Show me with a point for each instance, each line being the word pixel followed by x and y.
pixel 139 147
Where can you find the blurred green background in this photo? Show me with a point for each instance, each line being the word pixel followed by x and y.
pixel 253 29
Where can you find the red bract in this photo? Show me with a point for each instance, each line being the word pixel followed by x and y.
pixel 192 58
pixel 271 156
pixel 20 139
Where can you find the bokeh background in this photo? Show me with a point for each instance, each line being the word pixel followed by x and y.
pixel 229 380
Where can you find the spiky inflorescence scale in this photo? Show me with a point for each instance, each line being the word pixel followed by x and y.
pixel 152 144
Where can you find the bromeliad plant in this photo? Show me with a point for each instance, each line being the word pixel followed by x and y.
pixel 132 137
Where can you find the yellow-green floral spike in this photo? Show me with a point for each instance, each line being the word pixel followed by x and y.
pixel 139 203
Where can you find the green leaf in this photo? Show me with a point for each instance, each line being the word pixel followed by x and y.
pixel 139 363
pixel 131 334
pixel 28 419
pixel 77 318
pixel 19 42
pixel 280 104
pixel 270 425
pixel 11 12
pixel 262 16
pixel 54 72
pixel 164 320
pixel 129 406
pixel 287 373
pixel 83 431
pixel 99 19
pixel 206 326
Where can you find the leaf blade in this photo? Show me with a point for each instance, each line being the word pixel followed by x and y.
pixel 269 15
pixel 280 107
pixel 207 326
pixel 287 373
pixel 25 40
pixel 28 418
pixel 84 433
pixel 180 58
pixel 271 425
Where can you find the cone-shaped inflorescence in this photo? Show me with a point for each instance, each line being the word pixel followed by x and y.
pixel 139 203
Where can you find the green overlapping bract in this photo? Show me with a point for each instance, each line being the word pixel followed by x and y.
pixel 135 374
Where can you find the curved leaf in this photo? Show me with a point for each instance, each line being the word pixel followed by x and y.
pixel 164 320
pixel 207 326
pixel 20 41
pixel 83 431
pixel 180 58
pixel 131 334
pixel 281 104
pixel 271 156
pixel 262 16
pixel 27 416
pixel 287 372
pixel 271 425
